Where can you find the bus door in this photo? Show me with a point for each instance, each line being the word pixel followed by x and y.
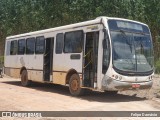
pixel 48 59
pixel 90 59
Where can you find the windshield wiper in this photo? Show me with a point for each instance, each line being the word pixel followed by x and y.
pixel 126 38
pixel 128 43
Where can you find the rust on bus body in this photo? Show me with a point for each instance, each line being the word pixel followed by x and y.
pixel 12 72
pixel 59 78
pixel 35 75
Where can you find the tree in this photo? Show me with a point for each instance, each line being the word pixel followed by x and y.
pixel 17 16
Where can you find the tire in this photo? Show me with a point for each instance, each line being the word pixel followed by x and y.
pixel 74 85
pixel 24 78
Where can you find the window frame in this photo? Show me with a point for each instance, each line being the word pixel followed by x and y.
pixel 82 41
pixel 27 45
pixel 24 46
pixel 36 39
pixel 62 44
pixel 13 47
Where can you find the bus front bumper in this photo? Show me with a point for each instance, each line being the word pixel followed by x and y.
pixel 116 85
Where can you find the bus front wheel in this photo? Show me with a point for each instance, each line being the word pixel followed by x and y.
pixel 74 85
pixel 24 78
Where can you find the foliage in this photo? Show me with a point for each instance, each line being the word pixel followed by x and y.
pixel 1 61
pixel 157 67
pixel 20 16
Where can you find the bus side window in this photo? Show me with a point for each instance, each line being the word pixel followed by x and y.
pixel 73 42
pixel 59 43
pixel 13 48
pixel 21 46
pixel 30 45
pixel 40 41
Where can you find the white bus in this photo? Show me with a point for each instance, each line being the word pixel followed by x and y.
pixel 105 54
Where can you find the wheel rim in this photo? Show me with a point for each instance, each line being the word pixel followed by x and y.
pixel 74 85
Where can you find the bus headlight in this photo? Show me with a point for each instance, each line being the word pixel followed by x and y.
pixel 120 77
pixel 116 76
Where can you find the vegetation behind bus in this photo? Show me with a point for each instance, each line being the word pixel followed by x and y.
pixel 157 66
pixel 1 61
pixel 17 16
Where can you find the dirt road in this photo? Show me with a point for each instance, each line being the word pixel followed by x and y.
pixel 48 97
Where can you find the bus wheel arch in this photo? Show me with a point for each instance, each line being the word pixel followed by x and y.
pixel 23 68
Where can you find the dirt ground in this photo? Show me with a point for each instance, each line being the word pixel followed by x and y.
pixel 48 97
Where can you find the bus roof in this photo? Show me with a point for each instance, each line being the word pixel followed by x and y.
pixel 75 25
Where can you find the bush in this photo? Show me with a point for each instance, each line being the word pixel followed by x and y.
pixel 157 67
pixel 1 61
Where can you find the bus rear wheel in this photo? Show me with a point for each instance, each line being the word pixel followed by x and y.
pixel 24 78
pixel 74 85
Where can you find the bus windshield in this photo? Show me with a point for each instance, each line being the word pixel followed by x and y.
pixel 132 47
